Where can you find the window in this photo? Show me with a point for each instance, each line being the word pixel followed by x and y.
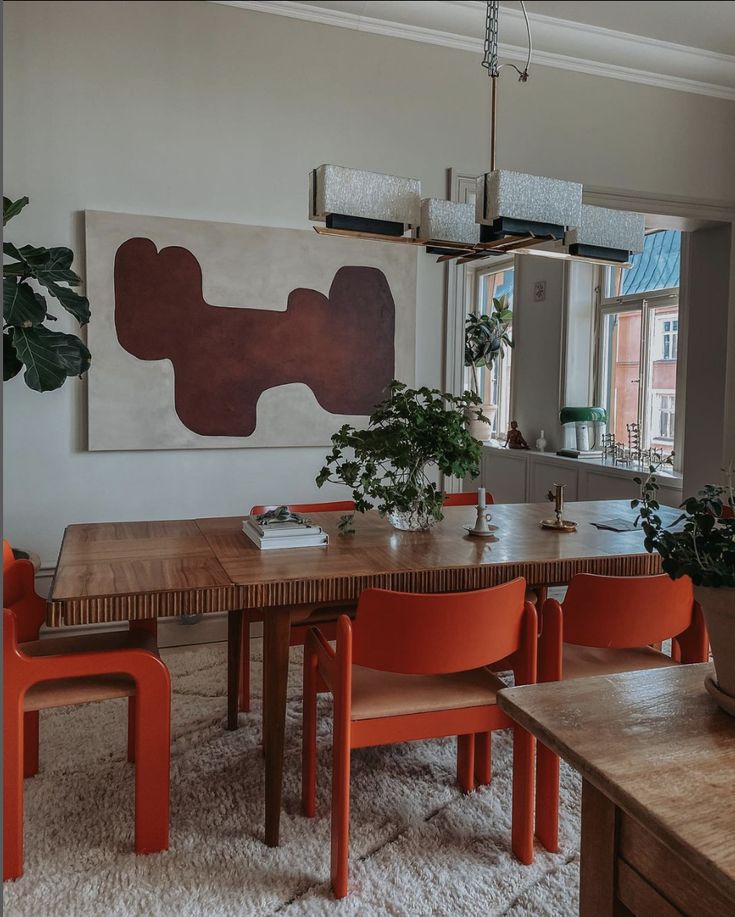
pixel 492 283
pixel 639 342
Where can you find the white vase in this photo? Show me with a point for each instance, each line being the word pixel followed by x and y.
pixel 541 443
pixel 481 429
pixel 413 520
pixel 718 606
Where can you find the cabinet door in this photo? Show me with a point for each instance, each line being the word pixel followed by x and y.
pixel 504 475
pixel 546 473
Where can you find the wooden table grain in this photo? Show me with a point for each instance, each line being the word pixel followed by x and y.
pixel 127 571
pixel 657 757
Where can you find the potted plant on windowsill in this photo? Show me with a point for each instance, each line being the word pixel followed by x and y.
pixel 700 544
pixel 387 465
pixel 485 339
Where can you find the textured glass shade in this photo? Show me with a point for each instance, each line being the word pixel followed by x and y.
pixel 367 195
pixel 530 198
pixel 605 228
pixel 448 221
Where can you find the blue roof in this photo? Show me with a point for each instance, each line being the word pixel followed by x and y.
pixel 657 266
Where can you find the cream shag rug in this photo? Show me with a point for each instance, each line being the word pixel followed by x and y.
pixel 418 846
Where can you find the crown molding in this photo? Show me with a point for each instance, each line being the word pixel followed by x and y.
pixel 558 43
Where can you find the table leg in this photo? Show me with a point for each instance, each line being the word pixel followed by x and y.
pixel 277 629
pixel 598 854
pixel 234 649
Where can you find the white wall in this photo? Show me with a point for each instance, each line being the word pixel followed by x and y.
pixel 197 110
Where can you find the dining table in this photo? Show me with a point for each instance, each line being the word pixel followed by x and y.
pixel 137 571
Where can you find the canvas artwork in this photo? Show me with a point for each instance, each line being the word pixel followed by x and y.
pixel 216 335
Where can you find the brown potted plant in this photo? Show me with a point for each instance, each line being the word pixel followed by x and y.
pixel 700 544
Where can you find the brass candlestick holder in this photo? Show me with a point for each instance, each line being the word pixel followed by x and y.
pixel 558 523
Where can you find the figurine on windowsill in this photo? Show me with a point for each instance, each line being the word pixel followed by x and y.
pixel 514 438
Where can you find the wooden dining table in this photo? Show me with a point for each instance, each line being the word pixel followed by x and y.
pixel 127 571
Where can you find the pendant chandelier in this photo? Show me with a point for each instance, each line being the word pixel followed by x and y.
pixel 513 211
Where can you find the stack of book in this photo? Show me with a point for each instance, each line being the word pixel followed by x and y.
pixel 287 534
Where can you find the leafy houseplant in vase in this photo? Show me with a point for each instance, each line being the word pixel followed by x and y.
pixel 485 339
pixel 387 465
pixel 701 544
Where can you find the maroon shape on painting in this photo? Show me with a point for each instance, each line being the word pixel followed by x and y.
pixel 341 346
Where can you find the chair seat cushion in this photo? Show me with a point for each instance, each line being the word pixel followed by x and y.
pixel 377 694
pixel 92 643
pixel 585 661
pixel 64 692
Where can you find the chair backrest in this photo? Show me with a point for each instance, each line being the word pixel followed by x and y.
pixel 417 634
pixel 19 594
pixel 343 506
pixel 465 499
pixel 626 611
pixel 8 556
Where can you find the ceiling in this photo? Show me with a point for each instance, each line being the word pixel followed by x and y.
pixel 687 46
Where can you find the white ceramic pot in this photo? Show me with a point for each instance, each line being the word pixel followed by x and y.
pixel 718 606
pixel 481 429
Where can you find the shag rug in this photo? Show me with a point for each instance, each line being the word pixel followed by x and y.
pixel 418 846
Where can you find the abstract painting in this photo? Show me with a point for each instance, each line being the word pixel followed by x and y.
pixel 219 335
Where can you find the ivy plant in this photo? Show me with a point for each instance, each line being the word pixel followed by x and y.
pixel 410 432
pixel 700 543
pixel 486 337
pixel 49 357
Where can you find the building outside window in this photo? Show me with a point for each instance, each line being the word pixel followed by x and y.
pixel 489 284
pixel 639 330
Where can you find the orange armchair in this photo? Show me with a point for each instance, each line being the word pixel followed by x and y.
pixel 53 673
pixel 414 667
pixel 604 626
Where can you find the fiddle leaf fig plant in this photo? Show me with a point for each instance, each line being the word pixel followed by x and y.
pixel 700 542
pixel 410 432
pixel 486 337
pixel 49 357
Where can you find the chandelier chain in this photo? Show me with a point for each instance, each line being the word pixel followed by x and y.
pixel 490 57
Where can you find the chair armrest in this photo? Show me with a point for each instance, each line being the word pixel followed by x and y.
pixel 317 647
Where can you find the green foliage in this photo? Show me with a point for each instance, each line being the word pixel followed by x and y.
pixel 49 356
pixel 410 431
pixel 700 543
pixel 486 336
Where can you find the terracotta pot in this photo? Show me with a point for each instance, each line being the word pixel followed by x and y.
pixel 479 428
pixel 718 606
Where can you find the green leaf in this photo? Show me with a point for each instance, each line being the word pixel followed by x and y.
pixel 21 305
pixel 11 364
pixel 49 357
pixel 12 208
pixel 72 301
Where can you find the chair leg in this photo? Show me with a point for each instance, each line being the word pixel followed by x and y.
pixel 547 798
pixel 483 758
pixel 308 754
pixel 466 762
pixel 244 691
pixel 152 746
pixel 30 743
pixel 13 751
pixel 340 808
pixel 522 827
pixel 131 728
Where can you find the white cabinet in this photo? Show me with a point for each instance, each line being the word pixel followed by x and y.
pixel 524 476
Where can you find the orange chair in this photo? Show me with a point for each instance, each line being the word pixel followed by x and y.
pixel 468 498
pixel 604 626
pixel 413 667
pixel 327 616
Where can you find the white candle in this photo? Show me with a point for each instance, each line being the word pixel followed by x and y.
pixel 481 497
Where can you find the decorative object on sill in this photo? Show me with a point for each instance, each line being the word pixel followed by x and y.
pixel 485 340
pixel 49 357
pixel 409 433
pixel 558 523
pixel 583 430
pixel 178 298
pixel 702 548
pixel 445 222
pixel 514 438
pixel 516 211
pixel 541 443
pixel 369 202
